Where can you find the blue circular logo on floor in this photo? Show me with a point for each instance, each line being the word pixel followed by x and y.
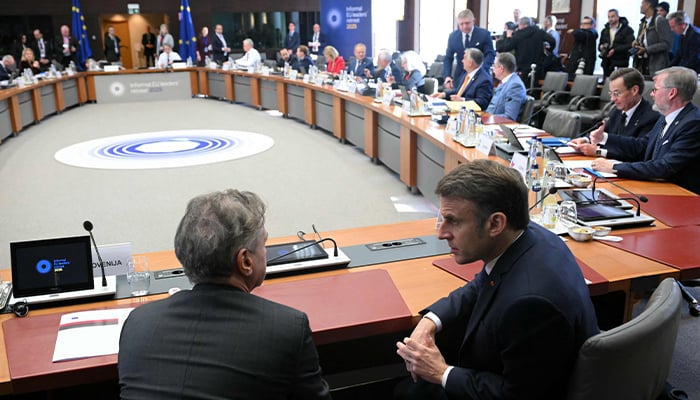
pixel 165 149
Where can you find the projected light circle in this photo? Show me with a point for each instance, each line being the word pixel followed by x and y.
pixel 164 149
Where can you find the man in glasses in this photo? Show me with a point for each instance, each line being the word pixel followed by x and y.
pixel 632 116
pixel 671 150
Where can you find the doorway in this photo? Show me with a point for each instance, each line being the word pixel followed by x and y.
pixel 121 29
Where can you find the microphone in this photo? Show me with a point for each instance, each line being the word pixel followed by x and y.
pixel 641 198
pixel 315 242
pixel 552 190
pixel 87 225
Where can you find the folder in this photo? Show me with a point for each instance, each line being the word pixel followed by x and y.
pixel 672 210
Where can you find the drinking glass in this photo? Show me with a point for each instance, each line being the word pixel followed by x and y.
pixel 138 275
pixel 567 213
pixel 550 216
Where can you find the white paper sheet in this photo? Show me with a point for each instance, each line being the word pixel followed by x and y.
pixel 89 334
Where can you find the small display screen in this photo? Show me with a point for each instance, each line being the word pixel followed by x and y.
pixel 51 266
pixel 597 212
pixel 585 196
pixel 294 252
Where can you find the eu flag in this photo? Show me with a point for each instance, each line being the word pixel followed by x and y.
pixel 79 30
pixel 188 41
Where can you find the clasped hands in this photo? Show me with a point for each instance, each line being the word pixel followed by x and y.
pixel 421 355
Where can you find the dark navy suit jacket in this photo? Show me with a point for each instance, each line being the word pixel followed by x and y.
pixel 480 39
pixel 321 43
pixel 525 322
pixel 640 124
pixel 292 42
pixel 358 66
pixel 479 89
pixel 508 99
pixel 677 158
pixel 689 51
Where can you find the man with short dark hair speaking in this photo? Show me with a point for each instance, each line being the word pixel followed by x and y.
pixel 219 341
pixel 519 324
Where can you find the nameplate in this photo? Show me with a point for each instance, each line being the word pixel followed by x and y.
pixel 213 65
pixel 485 145
pixel 519 163
pixel 265 71
pixel 70 72
pixel 115 257
pixel 307 78
pixel 388 97
pixel 111 68
pixel 179 65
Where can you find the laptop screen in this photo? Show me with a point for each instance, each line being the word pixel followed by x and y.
pixel 49 266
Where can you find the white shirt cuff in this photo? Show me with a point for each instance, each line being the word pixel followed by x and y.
pixel 445 375
pixel 605 138
pixel 433 317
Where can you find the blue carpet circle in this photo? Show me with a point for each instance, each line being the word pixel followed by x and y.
pixel 164 149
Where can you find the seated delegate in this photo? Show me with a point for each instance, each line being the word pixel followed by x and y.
pixel 303 61
pixel 474 83
pixel 334 61
pixel 510 95
pixel 414 70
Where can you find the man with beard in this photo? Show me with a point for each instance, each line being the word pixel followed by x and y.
pixel 615 43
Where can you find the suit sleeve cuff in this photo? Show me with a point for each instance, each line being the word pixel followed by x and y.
pixel 433 317
pixel 445 375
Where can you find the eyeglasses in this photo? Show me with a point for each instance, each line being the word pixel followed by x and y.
pixel 617 93
pixel 655 89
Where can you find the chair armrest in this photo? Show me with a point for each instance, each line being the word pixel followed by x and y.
pixel 587 103
pixel 559 97
pixel 535 92
pixel 573 101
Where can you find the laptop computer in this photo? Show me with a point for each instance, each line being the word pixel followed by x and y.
pixel 59 269
pixel 506 150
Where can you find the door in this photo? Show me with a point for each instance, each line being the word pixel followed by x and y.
pixel 121 29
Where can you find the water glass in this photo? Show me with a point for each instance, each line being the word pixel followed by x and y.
pixel 550 216
pixel 567 213
pixel 139 276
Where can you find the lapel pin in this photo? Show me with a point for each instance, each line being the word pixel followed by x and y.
pixel 492 283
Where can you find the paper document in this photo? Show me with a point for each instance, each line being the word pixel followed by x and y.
pixel 567 150
pixel 457 105
pixel 89 334
pixel 586 166
pixel 522 130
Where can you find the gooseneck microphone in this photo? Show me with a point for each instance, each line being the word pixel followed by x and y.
pixel 88 227
pixel 551 191
pixel 641 198
pixel 315 242
pixel 603 202
pixel 591 129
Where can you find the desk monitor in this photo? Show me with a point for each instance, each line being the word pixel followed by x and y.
pixel 50 266
pixel 597 212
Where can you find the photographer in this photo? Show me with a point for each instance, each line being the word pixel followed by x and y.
pixel 584 47
pixel 615 43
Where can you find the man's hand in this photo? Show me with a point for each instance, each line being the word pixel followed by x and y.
pixel 587 149
pixel 448 83
pixel 454 97
pixel 602 165
pixel 422 360
pixel 422 338
pixel 439 95
pixel 597 135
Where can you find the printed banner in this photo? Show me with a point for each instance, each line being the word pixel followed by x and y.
pixel 346 23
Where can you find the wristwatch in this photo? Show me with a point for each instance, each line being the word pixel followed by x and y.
pixel 599 152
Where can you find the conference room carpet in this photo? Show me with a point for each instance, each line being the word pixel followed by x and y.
pixel 306 178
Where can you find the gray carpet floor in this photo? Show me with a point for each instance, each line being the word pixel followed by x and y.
pixel 306 178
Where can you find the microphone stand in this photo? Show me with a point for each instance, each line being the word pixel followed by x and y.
pixel 641 198
pixel 315 242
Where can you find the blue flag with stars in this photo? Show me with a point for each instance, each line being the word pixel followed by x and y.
pixel 79 30
pixel 188 41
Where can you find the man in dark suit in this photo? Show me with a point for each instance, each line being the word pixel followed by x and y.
pixel 468 35
pixel 633 116
pixel 317 41
pixel 292 40
pixel 689 50
pixel 518 325
pixel 67 48
pixel 361 62
pixel 510 95
pixel 386 70
pixel 43 50
pixel 615 53
pixel 219 47
pixel 671 151
pixel 474 84
pixel 654 41
pixel 148 40
pixel 7 66
pixel 218 340
pixel 528 42
pixel 112 52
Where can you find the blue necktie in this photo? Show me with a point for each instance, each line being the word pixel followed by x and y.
pixel 659 140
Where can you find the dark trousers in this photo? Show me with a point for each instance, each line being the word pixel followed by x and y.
pixel 150 60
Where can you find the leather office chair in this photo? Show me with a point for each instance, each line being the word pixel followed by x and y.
pixel 435 71
pixel 430 86
pixel 584 85
pixel 562 123
pixel 526 112
pixel 646 92
pixel 553 82
pixel 696 97
pixel 594 108
pixel 631 361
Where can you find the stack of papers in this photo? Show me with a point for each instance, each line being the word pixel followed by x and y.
pixel 586 166
pixel 89 334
